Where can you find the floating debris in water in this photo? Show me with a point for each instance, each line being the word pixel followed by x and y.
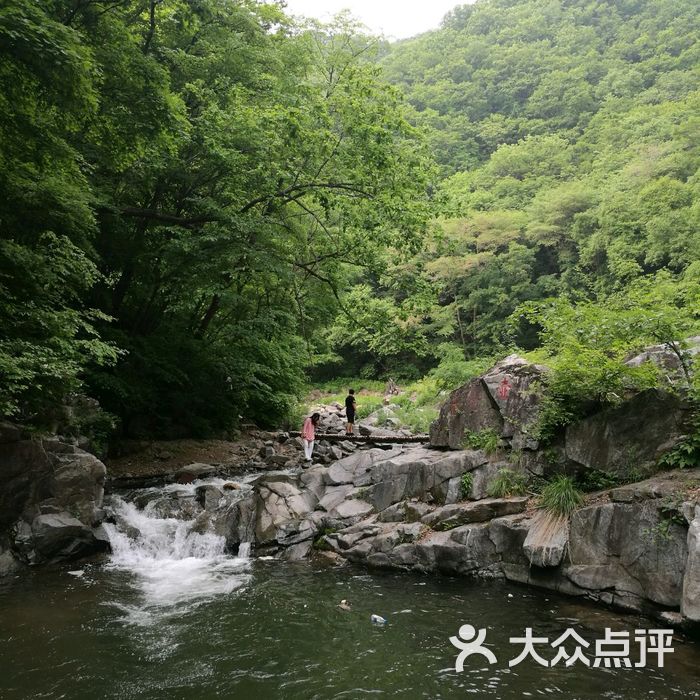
pixel 377 620
pixel 78 573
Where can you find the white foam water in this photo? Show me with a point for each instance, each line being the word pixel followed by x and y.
pixel 171 564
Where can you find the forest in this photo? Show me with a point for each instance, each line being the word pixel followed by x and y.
pixel 206 206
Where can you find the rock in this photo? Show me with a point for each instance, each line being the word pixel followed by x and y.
pixel 450 516
pixel 336 452
pixel 276 460
pixel 278 503
pixel 415 510
pixel 297 531
pixel 350 536
pixel 45 478
pixel 8 564
pixel 479 548
pixel 393 514
pixel 613 440
pixel 515 386
pixel 508 535
pixel 690 600
pixel 78 483
pixel 235 518
pixel 334 496
pixel 631 548
pixel 208 497
pixel 355 468
pixel 545 544
pixel 667 359
pixel 352 509
pixel 482 477
pixel 192 472
pixel 59 536
pixel 297 551
pixel 468 408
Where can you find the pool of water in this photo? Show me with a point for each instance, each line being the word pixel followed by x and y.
pixel 275 631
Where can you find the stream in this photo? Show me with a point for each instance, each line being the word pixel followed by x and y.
pixel 169 614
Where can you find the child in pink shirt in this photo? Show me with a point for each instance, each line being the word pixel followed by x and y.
pixel 308 434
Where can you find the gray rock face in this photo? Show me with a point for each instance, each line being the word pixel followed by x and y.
pixel 613 440
pixel 196 470
pixel 469 408
pixel 514 385
pixel 690 602
pixel 628 549
pixel 505 400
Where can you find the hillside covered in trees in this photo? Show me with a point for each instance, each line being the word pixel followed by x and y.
pixel 203 204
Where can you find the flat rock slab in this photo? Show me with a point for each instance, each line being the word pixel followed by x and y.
pixel 457 514
pixel 352 508
pixel 190 472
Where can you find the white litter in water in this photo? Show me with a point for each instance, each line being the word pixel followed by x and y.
pixel 78 573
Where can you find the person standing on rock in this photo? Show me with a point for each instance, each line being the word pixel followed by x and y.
pixel 308 434
pixel 350 408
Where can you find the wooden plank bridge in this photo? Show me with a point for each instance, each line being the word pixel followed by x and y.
pixel 340 437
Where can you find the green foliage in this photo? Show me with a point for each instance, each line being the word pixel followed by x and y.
pixel 201 202
pixel 598 480
pixel 565 133
pixel 191 185
pixel 506 483
pixel 560 497
pixel 586 344
pixel 487 440
pixel 453 369
pixel 417 418
pixel 466 483
pixel 685 455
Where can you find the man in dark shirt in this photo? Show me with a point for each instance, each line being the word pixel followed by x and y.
pixel 350 406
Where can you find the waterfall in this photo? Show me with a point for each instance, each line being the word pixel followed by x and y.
pixel 171 561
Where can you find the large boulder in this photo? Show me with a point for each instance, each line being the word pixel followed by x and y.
pixel 468 409
pixel 504 400
pixel 54 537
pixel 515 386
pixel 668 358
pixel 633 549
pixel 278 503
pixel 42 478
pixel 631 436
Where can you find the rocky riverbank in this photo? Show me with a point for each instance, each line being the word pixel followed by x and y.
pixel 425 508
